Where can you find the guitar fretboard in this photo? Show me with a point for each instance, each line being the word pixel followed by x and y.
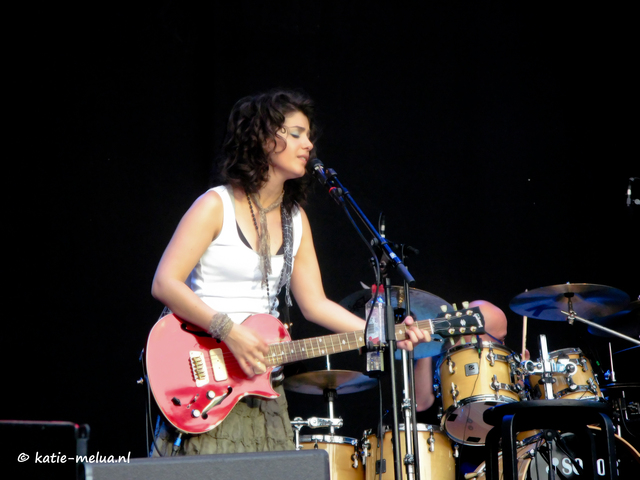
pixel 296 350
pixel 288 352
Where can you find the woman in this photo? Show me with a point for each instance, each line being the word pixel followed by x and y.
pixel 238 245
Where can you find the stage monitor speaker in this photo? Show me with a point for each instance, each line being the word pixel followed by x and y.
pixel 37 449
pixel 290 465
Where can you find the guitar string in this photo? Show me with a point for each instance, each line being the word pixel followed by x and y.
pixel 317 351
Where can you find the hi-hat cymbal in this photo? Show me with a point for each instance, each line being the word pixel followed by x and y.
pixel 423 304
pixel 342 381
pixel 587 300
pixel 626 321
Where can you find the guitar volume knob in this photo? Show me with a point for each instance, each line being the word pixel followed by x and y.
pixel 195 413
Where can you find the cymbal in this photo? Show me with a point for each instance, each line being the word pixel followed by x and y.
pixel 342 381
pixel 588 301
pixel 423 304
pixel 626 321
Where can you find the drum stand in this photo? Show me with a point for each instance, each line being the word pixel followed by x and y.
pixel 550 415
pixel 546 368
pixel 314 422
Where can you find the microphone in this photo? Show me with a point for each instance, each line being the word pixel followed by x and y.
pixel 319 173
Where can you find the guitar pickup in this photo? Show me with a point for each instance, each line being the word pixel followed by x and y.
pixel 198 368
pixel 217 365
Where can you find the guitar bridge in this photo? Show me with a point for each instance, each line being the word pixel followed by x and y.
pixel 198 368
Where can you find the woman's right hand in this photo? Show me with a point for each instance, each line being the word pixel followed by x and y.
pixel 249 348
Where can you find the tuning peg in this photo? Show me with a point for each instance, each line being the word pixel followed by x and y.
pixel 443 308
pixel 465 304
pixel 455 307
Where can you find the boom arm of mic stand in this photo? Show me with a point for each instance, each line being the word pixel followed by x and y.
pixel 333 182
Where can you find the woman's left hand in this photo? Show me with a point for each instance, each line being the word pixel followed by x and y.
pixel 415 335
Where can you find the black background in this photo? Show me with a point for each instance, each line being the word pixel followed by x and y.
pixel 497 139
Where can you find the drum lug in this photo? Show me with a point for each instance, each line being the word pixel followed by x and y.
pixel 583 362
pixel 491 357
pixel 452 365
pixel 454 394
pixel 440 414
pixel 431 442
pixel 354 459
pixel 364 452
pixel 495 385
pixel 456 451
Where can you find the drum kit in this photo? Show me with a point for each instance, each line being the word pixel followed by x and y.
pixel 471 378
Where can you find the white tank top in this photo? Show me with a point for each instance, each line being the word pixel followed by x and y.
pixel 227 277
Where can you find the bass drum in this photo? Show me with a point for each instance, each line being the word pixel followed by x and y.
pixel 436 454
pixel 344 459
pixel 533 460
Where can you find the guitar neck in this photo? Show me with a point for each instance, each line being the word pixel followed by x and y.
pixel 296 350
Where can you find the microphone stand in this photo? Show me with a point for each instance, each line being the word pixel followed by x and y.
pixel 342 196
pixel 337 190
pixel 412 458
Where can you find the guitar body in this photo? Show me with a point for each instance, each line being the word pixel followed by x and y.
pixel 195 379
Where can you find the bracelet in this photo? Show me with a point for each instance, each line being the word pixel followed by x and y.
pixel 220 326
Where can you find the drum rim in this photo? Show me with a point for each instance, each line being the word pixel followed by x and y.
pixel 583 398
pixel 422 427
pixel 334 439
pixel 557 353
pixel 469 346
pixel 465 401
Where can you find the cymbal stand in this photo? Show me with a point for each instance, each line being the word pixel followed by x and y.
pixel 613 372
pixel 329 395
pixel 547 372
pixel 571 316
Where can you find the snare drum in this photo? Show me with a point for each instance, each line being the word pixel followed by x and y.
pixel 436 454
pixel 578 384
pixel 472 379
pixel 344 460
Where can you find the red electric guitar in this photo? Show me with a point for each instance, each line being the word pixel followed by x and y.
pixel 196 380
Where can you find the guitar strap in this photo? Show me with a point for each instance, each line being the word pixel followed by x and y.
pixel 287 241
pixel 287 267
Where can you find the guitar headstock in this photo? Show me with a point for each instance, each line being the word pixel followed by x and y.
pixel 467 321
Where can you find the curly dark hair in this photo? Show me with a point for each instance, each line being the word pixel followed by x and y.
pixel 254 121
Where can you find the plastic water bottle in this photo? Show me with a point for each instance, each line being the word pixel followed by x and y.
pixel 376 327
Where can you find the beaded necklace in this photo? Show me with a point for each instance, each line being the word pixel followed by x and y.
pixel 264 243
